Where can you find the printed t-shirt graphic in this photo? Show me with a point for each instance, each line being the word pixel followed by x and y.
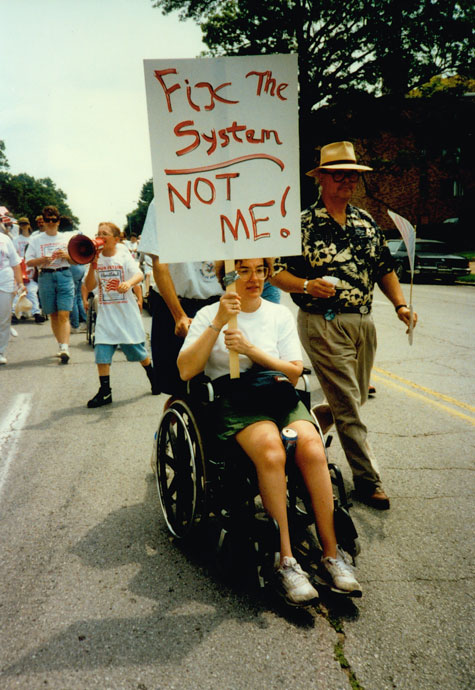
pixel 109 278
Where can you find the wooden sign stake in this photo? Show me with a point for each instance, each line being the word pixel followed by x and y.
pixel 233 356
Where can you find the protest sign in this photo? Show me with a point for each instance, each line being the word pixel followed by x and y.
pixel 225 156
pixel 408 233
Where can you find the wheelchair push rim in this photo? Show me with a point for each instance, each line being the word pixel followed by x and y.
pixel 181 477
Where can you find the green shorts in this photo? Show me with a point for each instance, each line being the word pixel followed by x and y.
pixel 231 421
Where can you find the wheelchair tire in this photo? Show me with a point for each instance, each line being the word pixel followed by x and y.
pixel 181 474
pixel 91 320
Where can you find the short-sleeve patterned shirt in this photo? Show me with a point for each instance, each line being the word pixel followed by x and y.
pixel 356 254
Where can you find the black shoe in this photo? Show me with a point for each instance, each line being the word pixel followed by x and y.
pixel 39 318
pixel 14 319
pixel 101 398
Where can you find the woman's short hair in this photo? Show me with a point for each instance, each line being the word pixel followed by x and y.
pixel 50 211
pixel 112 227
pixel 219 268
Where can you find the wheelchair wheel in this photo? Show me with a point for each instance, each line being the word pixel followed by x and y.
pixel 91 320
pixel 181 475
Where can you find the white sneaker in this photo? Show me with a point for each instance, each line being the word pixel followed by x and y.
pixel 64 354
pixel 295 584
pixel 341 574
pixel 3 359
pixel 13 332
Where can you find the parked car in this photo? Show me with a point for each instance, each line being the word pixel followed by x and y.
pixel 432 260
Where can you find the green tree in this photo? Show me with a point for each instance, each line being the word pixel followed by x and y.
pixel 24 195
pixel 3 159
pixel 136 218
pixel 386 46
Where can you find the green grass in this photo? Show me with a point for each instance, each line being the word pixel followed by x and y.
pixel 468 254
pixel 467 279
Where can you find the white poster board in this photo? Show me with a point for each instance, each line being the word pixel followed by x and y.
pixel 225 156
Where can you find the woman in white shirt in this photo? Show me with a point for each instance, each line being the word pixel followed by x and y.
pixel 267 337
pixel 10 275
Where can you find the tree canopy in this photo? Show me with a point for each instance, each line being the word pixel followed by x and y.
pixel 136 218
pixel 24 195
pixel 384 46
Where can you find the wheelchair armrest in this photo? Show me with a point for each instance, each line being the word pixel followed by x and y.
pixel 201 388
pixel 303 382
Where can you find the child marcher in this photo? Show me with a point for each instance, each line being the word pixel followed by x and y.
pixel 119 321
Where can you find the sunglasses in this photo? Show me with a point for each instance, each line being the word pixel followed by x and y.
pixel 340 175
pixel 51 219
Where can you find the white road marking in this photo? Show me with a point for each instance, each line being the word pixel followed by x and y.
pixel 10 430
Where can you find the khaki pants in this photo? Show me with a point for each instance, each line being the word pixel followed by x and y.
pixel 342 353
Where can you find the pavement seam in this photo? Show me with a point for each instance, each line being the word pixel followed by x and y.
pixel 339 648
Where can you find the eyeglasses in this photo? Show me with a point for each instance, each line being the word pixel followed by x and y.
pixel 51 219
pixel 261 272
pixel 340 175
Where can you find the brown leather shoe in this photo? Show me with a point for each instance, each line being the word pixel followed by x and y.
pixel 378 499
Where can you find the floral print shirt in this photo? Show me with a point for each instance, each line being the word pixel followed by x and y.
pixel 356 254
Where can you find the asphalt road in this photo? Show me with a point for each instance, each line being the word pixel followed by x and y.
pixel 94 593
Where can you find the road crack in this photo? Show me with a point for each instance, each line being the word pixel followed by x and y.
pixel 339 648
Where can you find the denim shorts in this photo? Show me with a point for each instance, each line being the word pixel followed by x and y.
pixel 135 352
pixel 56 291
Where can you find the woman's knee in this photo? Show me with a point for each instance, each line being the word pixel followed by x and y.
pixel 310 451
pixel 272 457
pixel 62 316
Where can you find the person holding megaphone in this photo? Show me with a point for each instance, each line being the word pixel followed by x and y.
pixel 114 272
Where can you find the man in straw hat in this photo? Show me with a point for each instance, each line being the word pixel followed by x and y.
pixel 343 255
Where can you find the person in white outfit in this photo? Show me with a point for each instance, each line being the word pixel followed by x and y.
pixel 10 281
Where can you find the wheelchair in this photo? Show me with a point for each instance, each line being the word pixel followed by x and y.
pixel 209 487
pixel 91 316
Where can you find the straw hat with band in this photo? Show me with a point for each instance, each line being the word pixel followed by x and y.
pixel 337 156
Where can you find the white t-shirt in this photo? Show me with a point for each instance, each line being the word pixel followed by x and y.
pixel 271 328
pixel 193 280
pixel 8 259
pixel 45 245
pixel 118 316
pixel 21 242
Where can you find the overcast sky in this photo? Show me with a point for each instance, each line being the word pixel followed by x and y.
pixel 72 96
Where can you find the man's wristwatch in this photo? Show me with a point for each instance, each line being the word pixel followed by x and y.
pixel 400 306
pixel 305 285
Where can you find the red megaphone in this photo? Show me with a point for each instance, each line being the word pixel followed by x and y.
pixel 82 249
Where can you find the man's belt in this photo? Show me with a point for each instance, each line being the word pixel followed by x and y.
pixel 53 270
pixel 332 311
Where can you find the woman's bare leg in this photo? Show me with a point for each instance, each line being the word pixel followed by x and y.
pixel 311 461
pixel 262 443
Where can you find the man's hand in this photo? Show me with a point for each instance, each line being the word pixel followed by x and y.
pixel 182 326
pixel 318 287
pixel 404 315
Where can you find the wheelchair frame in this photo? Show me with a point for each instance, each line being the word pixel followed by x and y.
pixel 91 316
pixel 197 485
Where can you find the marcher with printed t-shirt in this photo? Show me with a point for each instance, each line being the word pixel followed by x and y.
pixel 181 290
pixel 48 252
pixel 10 276
pixel 119 321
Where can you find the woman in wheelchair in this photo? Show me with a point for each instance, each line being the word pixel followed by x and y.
pixel 266 337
